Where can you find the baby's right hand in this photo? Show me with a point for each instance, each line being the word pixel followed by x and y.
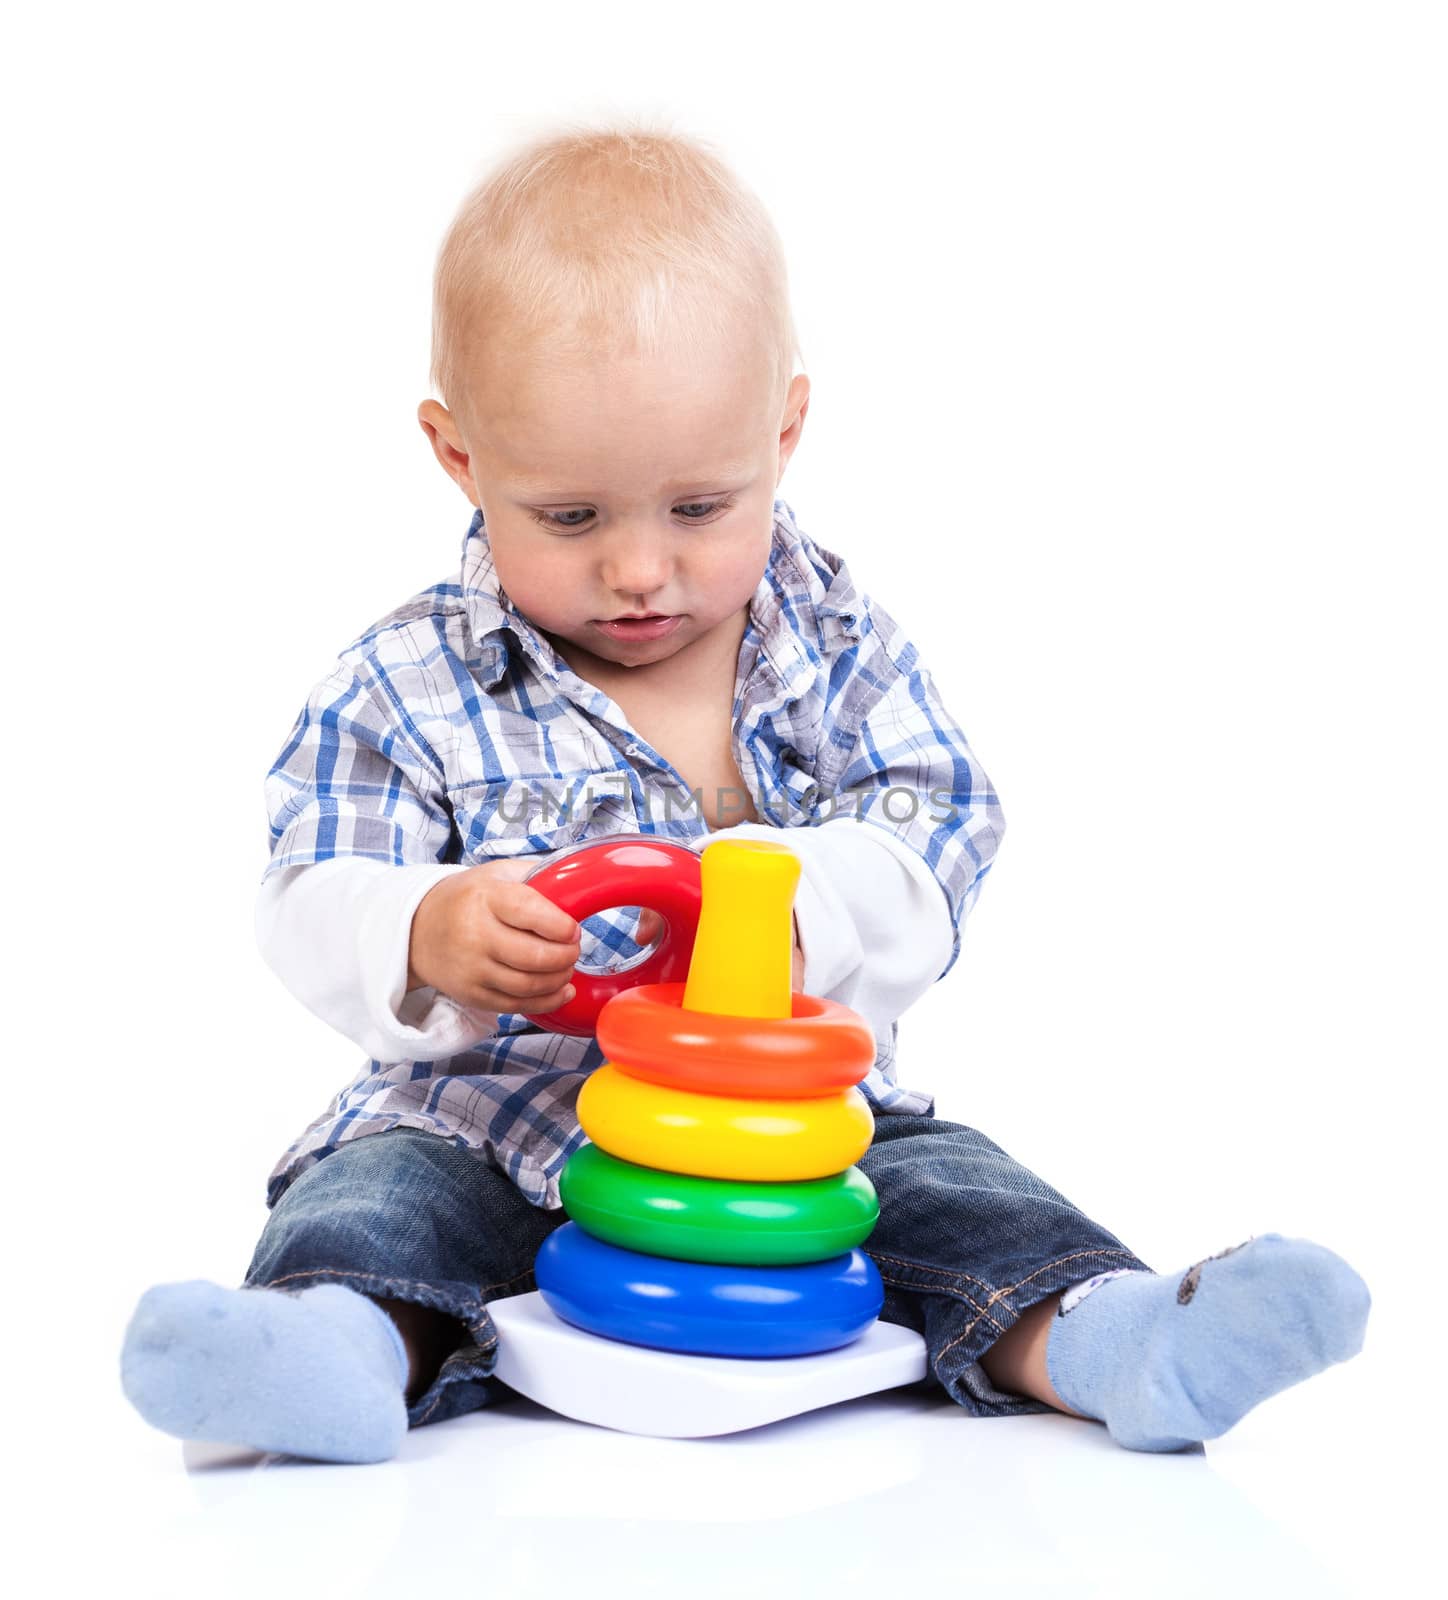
pixel 490 942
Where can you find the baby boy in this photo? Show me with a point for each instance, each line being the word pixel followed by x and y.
pixel 641 639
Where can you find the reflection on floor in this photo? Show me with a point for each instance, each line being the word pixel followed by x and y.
pixel 1310 1495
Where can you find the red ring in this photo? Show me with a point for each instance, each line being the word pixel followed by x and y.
pixel 820 1048
pixel 622 870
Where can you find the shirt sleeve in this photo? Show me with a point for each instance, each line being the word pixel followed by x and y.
pixel 337 934
pixel 359 831
pixel 895 851
pixel 355 778
pixel 903 826
pixel 908 776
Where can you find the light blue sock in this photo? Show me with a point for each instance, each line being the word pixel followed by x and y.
pixel 1167 1361
pixel 319 1373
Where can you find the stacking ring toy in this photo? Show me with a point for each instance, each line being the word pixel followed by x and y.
pixel 822 1046
pixel 721 1136
pixel 703 1308
pixel 710 1219
pixel 629 869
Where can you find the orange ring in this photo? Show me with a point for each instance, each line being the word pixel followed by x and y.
pixel 821 1048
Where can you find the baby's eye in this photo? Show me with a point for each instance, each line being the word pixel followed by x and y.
pixel 547 518
pixel 690 510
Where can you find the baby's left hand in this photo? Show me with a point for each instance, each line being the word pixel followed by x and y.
pixel 651 925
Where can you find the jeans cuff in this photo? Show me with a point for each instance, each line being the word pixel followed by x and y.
pixel 964 1318
pixel 464 1382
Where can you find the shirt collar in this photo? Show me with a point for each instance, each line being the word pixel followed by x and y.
pixel 798 614
pixel 492 616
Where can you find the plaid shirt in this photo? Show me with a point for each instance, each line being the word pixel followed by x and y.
pixel 451 732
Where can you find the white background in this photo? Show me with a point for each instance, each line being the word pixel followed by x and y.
pixel 1126 327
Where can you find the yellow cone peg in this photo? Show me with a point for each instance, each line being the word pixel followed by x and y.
pixel 741 966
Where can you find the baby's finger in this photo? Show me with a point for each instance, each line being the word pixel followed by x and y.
pixel 489 998
pixel 530 955
pixel 522 985
pixel 530 911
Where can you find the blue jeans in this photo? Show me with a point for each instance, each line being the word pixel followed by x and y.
pixel 967 1240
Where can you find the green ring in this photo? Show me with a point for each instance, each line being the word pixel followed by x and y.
pixel 716 1219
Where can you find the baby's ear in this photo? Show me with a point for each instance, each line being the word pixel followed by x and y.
pixel 448 445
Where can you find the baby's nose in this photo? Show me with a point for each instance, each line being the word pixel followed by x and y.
pixel 638 563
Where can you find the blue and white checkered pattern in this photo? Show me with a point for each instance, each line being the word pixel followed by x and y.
pixel 451 731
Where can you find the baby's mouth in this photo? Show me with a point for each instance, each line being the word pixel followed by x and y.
pixel 652 626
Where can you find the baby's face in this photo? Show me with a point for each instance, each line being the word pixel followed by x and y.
pixel 624 485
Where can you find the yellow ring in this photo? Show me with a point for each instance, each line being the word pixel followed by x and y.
pixel 722 1136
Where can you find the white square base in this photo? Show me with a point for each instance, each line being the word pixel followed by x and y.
pixel 675 1396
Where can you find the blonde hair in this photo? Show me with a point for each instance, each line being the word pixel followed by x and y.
pixel 611 239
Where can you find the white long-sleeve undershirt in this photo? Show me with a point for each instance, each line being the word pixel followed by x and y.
pixel 873 922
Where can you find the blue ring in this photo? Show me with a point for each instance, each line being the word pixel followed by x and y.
pixel 706 1307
